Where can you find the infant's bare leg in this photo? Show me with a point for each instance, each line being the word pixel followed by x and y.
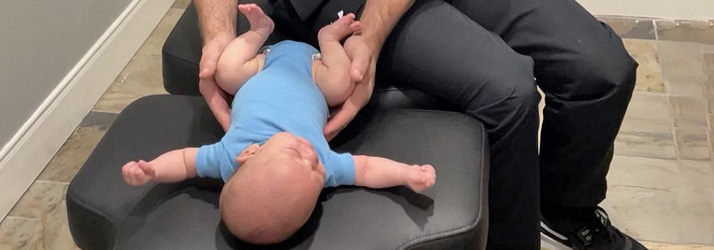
pixel 331 73
pixel 239 62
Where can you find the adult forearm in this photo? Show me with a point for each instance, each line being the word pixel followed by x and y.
pixel 216 17
pixel 379 18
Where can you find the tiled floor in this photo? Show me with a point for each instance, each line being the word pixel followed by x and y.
pixel 661 180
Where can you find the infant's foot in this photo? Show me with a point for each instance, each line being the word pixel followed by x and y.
pixel 137 173
pixel 259 21
pixel 341 28
pixel 421 178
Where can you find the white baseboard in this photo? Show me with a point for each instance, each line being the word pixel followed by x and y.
pixel 33 146
pixel 668 9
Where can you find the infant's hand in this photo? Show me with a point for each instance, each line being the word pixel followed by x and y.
pixel 421 178
pixel 138 173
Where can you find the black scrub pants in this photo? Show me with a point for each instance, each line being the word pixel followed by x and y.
pixel 485 57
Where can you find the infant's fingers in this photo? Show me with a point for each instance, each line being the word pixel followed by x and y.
pixel 137 173
pixel 126 174
pixel 131 177
pixel 128 165
pixel 428 168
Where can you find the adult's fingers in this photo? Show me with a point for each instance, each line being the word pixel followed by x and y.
pixel 340 119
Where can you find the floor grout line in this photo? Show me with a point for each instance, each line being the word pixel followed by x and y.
pixel 102 111
pixel 20 218
pixel 105 111
pixel 52 182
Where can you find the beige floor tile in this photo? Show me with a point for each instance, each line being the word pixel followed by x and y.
pixel 153 44
pixel 696 229
pixel 688 89
pixel 643 172
pixel 643 213
pixel 181 4
pixel 666 246
pixel 649 106
pixel 45 203
pixel 710 133
pixel 695 203
pixel 654 145
pixel 649 73
pixel 647 128
pixel 711 197
pixel 709 64
pixel 709 72
pixel 72 155
pixel 628 27
pixel 635 124
pixel 55 230
pixel 142 75
pixel 692 143
pixel 41 199
pixel 686 31
pixel 689 112
pixel 682 68
pixel 21 234
pixel 697 175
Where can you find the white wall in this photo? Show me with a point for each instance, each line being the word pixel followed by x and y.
pixel 41 41
pixel 56 60
pixel 669 9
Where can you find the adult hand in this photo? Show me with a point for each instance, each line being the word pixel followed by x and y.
pixel 364 63
pixel 216 98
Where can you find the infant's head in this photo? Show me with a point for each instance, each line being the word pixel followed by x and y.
pixel 274 191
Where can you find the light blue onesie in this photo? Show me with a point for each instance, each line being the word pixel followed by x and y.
pixel 281 98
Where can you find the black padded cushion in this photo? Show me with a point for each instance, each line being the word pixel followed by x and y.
pixel 182 52
pixel 105 213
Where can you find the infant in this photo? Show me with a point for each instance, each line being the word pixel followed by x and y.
pixel 274 158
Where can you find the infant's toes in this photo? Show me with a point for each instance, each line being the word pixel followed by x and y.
pixel 349 18
pixel 356 26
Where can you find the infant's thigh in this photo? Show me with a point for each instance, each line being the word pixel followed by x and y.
pixel 335 85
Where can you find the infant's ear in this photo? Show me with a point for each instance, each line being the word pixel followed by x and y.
pixel 247 153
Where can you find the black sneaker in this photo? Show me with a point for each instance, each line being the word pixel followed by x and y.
pixel 596 234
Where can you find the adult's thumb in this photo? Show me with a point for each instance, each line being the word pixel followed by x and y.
pixel 358 67
pixel 208 64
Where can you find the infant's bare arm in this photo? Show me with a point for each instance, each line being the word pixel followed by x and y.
pixel 172 166
pixel 378 172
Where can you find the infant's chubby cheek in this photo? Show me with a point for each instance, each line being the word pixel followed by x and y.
pixel 308 152
pixel 312 156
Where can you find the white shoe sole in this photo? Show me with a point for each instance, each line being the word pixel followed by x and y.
pixel 547 243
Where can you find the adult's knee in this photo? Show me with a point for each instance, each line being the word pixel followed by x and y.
pixel 510 94
pixel 600 72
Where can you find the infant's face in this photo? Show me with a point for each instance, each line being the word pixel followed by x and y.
pixel 276 188
pixel 296 152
